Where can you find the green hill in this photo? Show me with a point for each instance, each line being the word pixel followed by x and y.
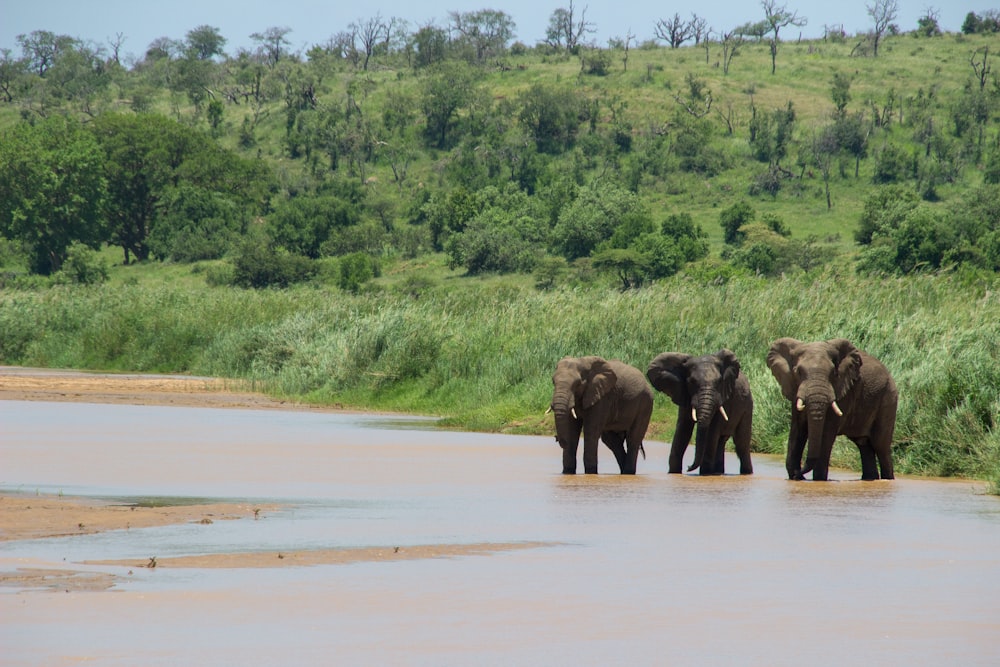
pixel 433 231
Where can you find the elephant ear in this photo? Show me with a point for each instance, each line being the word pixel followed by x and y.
pixel 668 373
pixel 600 380
pixel 730 371
pixel 781 361
pixel 848 366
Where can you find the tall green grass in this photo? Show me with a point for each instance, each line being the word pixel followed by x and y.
pixel 481 356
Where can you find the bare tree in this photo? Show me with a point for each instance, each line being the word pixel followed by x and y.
pixel 626 43
pixel 699 28
pixel 371 33
pixel 731 42
pixel 566 30
pixel 883 13
pixel 116 47
pixel 674 31
pixel 981 67
pixel 777 17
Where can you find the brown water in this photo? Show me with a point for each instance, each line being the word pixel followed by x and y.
pixel 653 569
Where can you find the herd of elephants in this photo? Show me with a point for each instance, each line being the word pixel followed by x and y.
pixel 833 388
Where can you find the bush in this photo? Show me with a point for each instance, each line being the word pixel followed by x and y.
pixel 259 265
pixel 733 218
pixel 83 266
pixel 357 269
pixel 891 165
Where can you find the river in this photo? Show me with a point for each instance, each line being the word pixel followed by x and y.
pixel 654 569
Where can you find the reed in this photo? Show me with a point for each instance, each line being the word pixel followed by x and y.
pixel 481 357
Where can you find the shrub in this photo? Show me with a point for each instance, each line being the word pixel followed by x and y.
pixel 83 266
pixel 258 264
pixel 357 269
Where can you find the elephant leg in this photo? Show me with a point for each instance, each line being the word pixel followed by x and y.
pixel 713 441
pixel 881 440
pixel 569 458
pixel 741 442
pixel 719 465
pixel 821 470
pixel 869 469
pixel 634 437
pixel 682 436
pixel 591 437
pixel 797 435
pixel 615 440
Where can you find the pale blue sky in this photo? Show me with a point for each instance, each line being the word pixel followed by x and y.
pixel 314 21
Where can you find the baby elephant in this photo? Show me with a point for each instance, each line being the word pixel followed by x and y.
pixel 607 400
pixel 712 393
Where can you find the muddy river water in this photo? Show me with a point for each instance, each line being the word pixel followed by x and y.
pixel 654 569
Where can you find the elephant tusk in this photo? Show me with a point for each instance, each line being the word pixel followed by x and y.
pixel 572 411
pixel 722 410
pixel 799 405
pixel 549 411
pixel 836 409
pixel 694 415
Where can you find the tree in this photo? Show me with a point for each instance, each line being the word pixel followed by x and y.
pixel 431 44
pixel 443 93
pixel 271 44
pixel 989 22
pixel 146 156
pixel 12 71
pixel 851 134
pixel 674 31
pixel 778 17
pixel 884 210
pixel 41 48
pixel 840 91
pixel 195 224
pixel 302 225
pixel 734 217
pixel 551 116
pixel 593 217
pixel 927 25
pixel 731 43
pixel 52 190
pixel 372 32
pixel 205 42
pixel 486 32
pixel 699 29
pixel 565 30
pixel 823 149
pixel 771 134
pixel 882 13
pixel 630 266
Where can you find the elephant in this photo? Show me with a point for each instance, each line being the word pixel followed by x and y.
pixel 835 389
pixel 712 393
pixel 607 400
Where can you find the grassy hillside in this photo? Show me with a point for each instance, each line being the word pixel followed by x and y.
pixel 479 350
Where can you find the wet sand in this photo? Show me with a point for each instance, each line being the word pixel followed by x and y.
pixel 26 516
pixel 39 384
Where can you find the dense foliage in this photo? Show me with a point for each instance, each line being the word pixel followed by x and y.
pixel 396 143
pixel 621 200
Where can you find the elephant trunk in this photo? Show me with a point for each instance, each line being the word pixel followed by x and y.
pixel 703 412
pixel 567 421
pixel 816 405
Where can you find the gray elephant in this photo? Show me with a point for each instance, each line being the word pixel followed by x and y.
pixel 607 400
pixel 713 394
pixel 835 389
